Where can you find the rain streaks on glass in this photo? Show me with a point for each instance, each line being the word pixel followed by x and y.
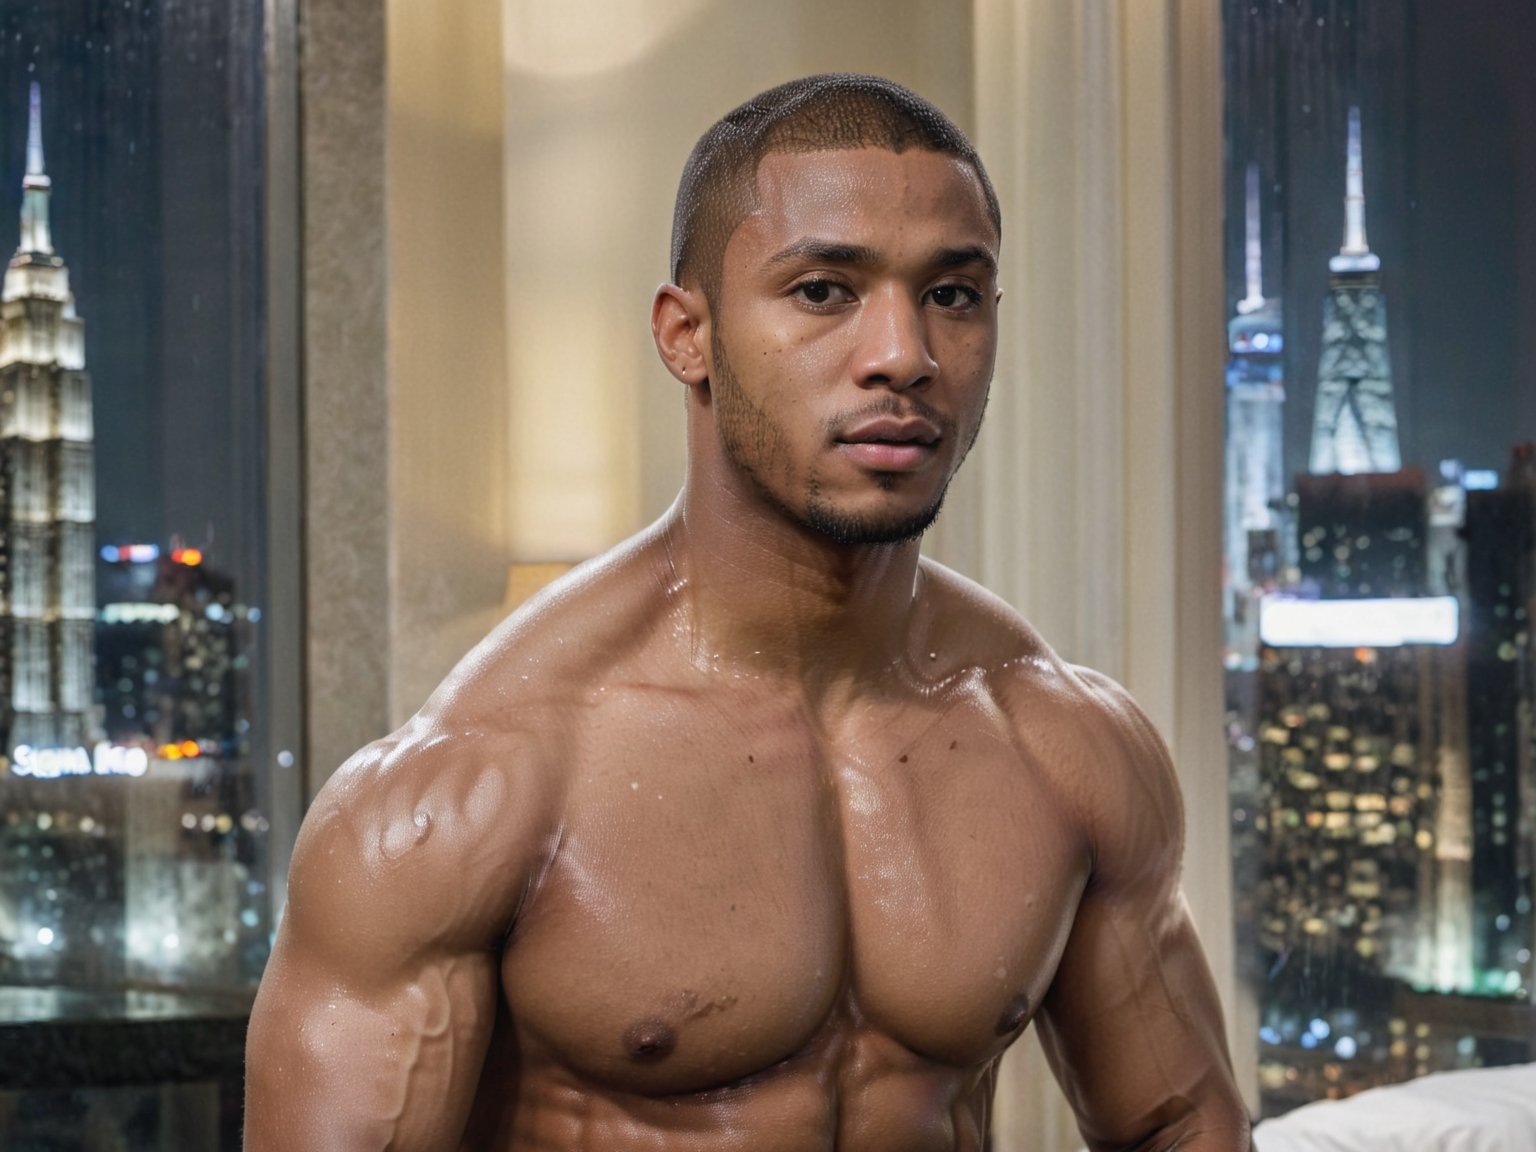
pixel 133 801
pixel 1380 535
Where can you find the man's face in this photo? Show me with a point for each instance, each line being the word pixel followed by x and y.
pixel 853 337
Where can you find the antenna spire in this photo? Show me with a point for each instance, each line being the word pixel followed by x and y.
pixel 1255 252
pixel 36 236
pixel 35 136
pixel 1356 254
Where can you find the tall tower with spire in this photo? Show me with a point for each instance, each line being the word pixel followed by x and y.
pixel 1255 467
pixel 1354 426
pixel 47 486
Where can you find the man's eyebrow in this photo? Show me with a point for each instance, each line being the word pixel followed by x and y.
pixel 970 254
pixel 824 252
pixel 832 252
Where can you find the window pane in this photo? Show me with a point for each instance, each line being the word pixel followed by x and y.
pixel 1380 518
pixel 136 1119
pixel 135 625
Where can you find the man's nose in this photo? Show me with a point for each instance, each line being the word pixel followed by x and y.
pixel 893 347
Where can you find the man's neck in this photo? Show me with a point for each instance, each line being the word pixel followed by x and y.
pixel 765 595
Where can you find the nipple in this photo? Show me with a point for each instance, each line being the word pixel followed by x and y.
pixel 1014 1016
pixel 649 1041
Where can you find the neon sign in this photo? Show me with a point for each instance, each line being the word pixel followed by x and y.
pixel 54 763
pixel 1380 623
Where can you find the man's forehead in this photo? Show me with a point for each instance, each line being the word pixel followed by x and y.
pixel 871 190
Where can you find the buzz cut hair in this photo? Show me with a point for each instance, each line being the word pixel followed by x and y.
pixel 829 112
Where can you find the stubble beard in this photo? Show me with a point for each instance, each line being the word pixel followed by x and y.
pixel 749 436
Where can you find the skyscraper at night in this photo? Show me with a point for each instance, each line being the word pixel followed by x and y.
pixel 1501 585
pixel 1354 426
pixel 1255 466
pixel 47 486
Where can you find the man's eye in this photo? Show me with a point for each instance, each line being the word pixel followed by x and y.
pixel 821 292
pixel 954 296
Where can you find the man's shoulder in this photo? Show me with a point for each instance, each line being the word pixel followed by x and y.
pixel 1017 658
pixel 549 655
pixel 989 636
pixel 440 809
pixel 1103 749
pixel 487 754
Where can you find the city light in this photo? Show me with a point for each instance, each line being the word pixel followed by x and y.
pixel 182 750
pixel 130 553
pixel 1285 622
pixel 129 613
pixel 191 557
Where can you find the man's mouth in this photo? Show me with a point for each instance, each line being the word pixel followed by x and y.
pixel 891 443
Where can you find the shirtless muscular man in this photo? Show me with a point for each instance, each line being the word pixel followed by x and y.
pixel 761 832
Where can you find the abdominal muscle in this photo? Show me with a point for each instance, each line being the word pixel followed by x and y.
pixel 852 1089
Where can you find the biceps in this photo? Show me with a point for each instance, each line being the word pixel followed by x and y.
pixel 334 1066
pixel 1132 1024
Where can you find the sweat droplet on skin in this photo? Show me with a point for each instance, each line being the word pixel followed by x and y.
pixel 398 837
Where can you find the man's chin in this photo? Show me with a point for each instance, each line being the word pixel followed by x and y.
pixel 854 529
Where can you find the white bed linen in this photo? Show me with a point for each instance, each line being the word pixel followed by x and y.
pixel 1482 1110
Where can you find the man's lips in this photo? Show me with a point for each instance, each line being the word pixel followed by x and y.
pixel 891 443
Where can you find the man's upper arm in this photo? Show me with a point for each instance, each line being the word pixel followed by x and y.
pixel 1132 1023
pixel 373 1017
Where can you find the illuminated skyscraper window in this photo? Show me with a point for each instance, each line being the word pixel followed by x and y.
pixel 48 510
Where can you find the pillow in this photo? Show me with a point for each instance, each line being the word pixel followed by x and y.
pixel 1478 1110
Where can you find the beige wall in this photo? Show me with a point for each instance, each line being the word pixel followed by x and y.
pixel 447 347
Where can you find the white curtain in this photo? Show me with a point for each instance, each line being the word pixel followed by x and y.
pixel 1093 503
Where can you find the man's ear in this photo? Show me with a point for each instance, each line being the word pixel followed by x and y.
pixel 679 319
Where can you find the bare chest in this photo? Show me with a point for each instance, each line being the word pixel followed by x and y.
pixel 736 889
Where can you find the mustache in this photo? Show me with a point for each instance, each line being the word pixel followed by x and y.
pixel 901 407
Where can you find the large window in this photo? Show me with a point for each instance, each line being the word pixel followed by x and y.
pixel 147 786
pixel 1381 516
